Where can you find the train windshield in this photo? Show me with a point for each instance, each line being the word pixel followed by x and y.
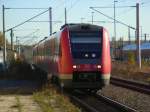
pixel 86 45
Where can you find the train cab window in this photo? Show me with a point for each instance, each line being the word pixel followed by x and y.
pixel 86 45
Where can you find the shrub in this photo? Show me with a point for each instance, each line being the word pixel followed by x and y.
pixel 131 58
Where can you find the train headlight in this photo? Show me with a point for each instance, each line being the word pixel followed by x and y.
pixel 93 55
pixel 86 55
pixel 98 66
pixel 74 66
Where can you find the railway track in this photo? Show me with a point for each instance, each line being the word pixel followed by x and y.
pixel 98 103
pixel 136 86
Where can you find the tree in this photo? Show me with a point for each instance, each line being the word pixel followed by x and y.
pixel 1 39
pixel 10 54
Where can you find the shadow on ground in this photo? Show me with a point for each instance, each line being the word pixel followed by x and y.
pixel 22 78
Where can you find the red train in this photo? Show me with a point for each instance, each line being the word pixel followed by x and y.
pixel 78 56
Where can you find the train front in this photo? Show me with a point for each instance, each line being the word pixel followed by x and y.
pixel 90 56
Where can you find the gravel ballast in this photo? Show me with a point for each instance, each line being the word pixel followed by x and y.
pixel 136 100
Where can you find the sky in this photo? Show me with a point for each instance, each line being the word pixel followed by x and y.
pixel 77 11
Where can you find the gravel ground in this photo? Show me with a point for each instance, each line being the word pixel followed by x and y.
pixel 8 103
pixel 136 100
pixel 16 96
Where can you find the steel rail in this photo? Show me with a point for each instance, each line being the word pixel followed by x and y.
pixel 102 99
pixel 116 104
pixel 84 105
pixel 134 85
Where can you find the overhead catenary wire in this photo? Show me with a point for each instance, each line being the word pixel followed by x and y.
pixel 69 9
pixel 119 7
pixel 29 35
pixel 24 30
pixel 29 40
pixel 122 1
pixel 125 11
pixel 73 4
pixel 113 18
pixel 24 8
pixel 46 21
pixel 53 2
pixel 103 21
pixel 28 20
pixel 115 7
pixel 144 4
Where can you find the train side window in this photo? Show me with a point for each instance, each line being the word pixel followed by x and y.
pixel 33 53
pixel 37 53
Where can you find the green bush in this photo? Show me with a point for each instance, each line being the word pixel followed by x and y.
pixel 131 58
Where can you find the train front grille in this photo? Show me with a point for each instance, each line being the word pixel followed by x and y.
pixel 86 76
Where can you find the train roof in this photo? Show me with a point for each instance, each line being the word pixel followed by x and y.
pixel 73 27
pixel 144 46
pixel 81 26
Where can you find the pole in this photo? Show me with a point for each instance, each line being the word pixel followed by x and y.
pixel 129 35
pixel 4 40
pixel 11 35
pixel 92 16
pixel 141 33
pixel 65 16
pixel 135 37
pixel 122 56
pixel 50 19
pixel 145 37
pixel 138 37
pixel 16 44
pixel 115 26
pixel 19 47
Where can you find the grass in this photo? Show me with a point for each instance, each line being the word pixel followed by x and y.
pixel 51 101
pixel 148 80
pixel 18 104
pixel 131 71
